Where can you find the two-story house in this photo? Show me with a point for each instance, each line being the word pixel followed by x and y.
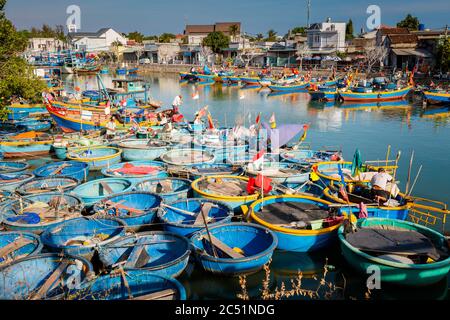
pixel 98 41
pixel 196 33
pixel 326 37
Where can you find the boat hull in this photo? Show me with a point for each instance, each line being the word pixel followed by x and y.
pixel 376 96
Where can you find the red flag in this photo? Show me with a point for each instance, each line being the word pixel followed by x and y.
pixel 263 183
pixel 210 122
pixel 258 118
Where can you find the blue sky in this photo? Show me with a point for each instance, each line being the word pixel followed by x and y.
pixel 257 16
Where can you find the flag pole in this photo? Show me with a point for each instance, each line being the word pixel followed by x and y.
pixel 262 183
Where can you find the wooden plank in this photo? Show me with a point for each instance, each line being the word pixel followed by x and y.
pixel 168 294
pixel 166 185
pixel 50 281
pixel 13 246
pixel 136 253
pixel 206 207
pixel 121 206
pixel 106 187
pixel 224 248
pixel 59 169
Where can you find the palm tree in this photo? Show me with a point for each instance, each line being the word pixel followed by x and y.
pixel 271 35
pixel 233 29
pixel 259 37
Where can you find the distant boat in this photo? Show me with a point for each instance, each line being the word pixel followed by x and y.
pixel 375 96
pixel 437 97
pixel 293 87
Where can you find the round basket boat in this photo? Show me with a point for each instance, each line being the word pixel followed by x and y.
pixel 35 213
pixel 96 157
pixel 229 189
pixel 419 257
pixel 16 245
pixel 82 236
pixel 187 157
pixel 306 157
pixel 77 170
pixel 13 166
pixel 136 171
pixel 208 169
pixel 140 149
pixel 135 208
pixel 170 189
pixel 184 217
pixel 96 190
pixel 142 284
pixel 288 174
pixel 24 278
pixel 10 181
pixel 165 254
pixel 301 223
pixel 236 248
pixel 49 184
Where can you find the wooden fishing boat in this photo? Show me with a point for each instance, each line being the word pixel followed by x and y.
pixel 437 97
pixel 35 125
pixel 135 208
pixel 234 79
pixel 17 245
pixel 206 77
pixel 10 181
pixel 291 87
pixel 324 94
pixel 26 144
pixel 72 169
pixel 136 171
pixel 288 174
pixel 132 285
pixel 230 189
pixel 252 81
pixel 163 253
pixel 307 157
pixel 375 96
pixel 96 157
pixel 419 257
pixel 142 149
pixel 93 191
pixel 33 277
pixel 187 157
pixel 184 217
pixel 35 213
pixel 203 170
pixel 301 223
pixel 13 166
pixel 26 107
pixel 18 115
pixel 170 189
pixel 86 70
pixel 47 184
pixel 83 236
pixel 234 248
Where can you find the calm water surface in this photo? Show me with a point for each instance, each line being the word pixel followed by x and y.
pixel 371 128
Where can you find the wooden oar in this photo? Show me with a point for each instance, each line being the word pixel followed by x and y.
pixel 106 187
pixel 121 206
pixel 216 243
pixel 168 294
pixel 204 212
pixel 58 169
pixel 138 256
pixel 18 243
pixel 50 281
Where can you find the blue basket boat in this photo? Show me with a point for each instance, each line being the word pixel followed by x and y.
pixel 306 157
pixel 289 174
pixel 73 169
pixel 23 279
pixel 96 157
pixel 48 184
pixel 170 189
pixel 10 181
pixel 142 149
pixel 237 248
pixel 16 245
pixel 141 284
pixel 136 208
pixel 96 190
pixel 136 171
pixel 209 169
pixel 35 213
pixel 187 157
pixel 166 254
pixel 35 125
pixel 82 236
pixel 183 217
pixel 13 166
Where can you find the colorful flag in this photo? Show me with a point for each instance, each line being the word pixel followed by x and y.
pixel 305 131
pixel 210 122
pixel 258 118
pixel 273 122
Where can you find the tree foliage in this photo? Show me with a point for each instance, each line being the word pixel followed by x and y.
pixel 16 76
pixel 299 30
pixel 443 55
pixel 136 36
pixel 409 22
pixel 166 37
pixel 349 30
pixel 271 35
pixel 216 41
pixel 46 31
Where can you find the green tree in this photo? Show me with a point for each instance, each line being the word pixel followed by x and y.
pixel 298 30
pixel 409 22
pixel 16 76
pixel 136 36
pixel 443 55
pixel 259 37
pixel 271 35
pixel 166 37
pixel 216 41
pixel 349 30
pixel 234 29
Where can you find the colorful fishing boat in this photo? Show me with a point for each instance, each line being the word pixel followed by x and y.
pixel 27 144
pixel 96 157
pixel 17 245
pixel 437 97
pixel 324 94
pixel 169 188
pixel 94 191
pixel 73 169
pixel 251 81
pixel 10 181
pixel 187 157
pixel 35 125
pixel 7 167
pixel 163 253
pixel 142 149
pixel 186 216
pixel 35 213
pixel 26 107
pixel 136 171
pixel 289 88
pixel 136 208
pixel 419 256
pixel 83 236
pixel 234 248
pixel 32 278
pixel 301 223
pixel 230 189
pixel 375 96
pixel 132 285
pixel 47 184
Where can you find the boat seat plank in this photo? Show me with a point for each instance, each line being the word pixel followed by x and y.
pixel 168 294
pixel 204 211
pixel 117 205
pixel 50 281
pixel 166 185
pixel 138 256
pixel 58 169
pixel 106 187
pixel 18 243
pixel 223 247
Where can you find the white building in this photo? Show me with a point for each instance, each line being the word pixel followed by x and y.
pixel 326 37
pixel 196 33
pixel 96 41
pixel 45 44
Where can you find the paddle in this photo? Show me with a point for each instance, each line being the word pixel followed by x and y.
pixel 138 256
pixel 204 212
pixel 50 281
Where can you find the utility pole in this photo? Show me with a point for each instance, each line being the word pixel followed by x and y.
pixel 308 13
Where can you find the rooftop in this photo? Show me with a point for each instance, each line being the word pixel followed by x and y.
pixel 201 29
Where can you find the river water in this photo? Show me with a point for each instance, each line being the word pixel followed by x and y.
pixel 370 128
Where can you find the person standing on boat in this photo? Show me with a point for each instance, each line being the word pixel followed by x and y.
pixel 379 185
pixel 176 104
pixel 110 129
